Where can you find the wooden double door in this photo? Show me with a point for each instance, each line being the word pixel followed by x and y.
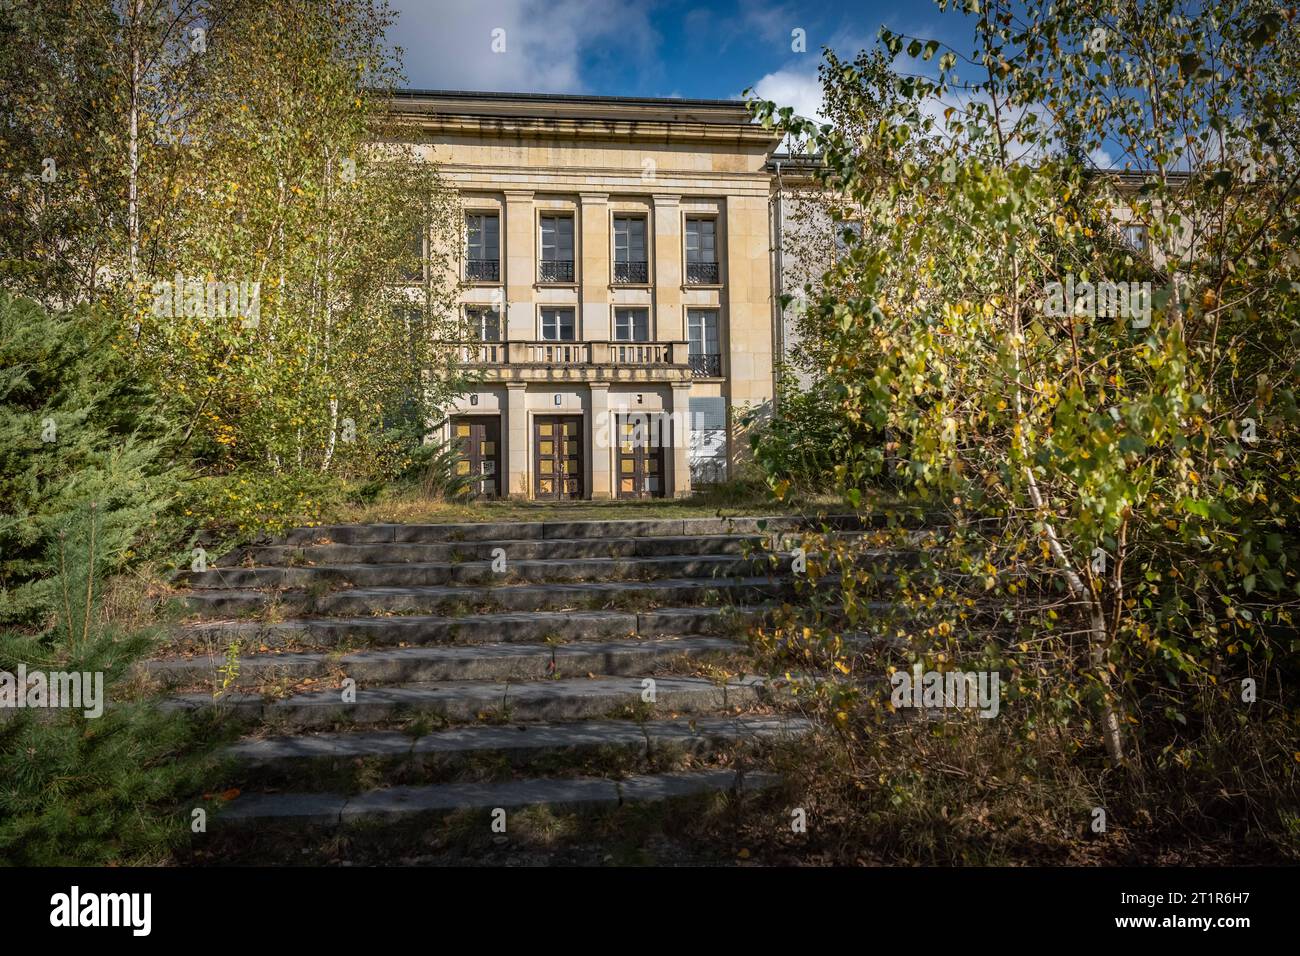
pixel 557 457
pixel 479 444
pixel 639 464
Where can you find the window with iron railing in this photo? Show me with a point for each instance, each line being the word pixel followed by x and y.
pixel 705 354
pixel 483 262
pixel 702 251
pixel 556 262
pixel 630 264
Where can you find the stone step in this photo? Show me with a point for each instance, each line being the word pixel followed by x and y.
pixel 513 661
pixel 436 800
pixel 326 632
pixel 564 530
pixel 578 698
pixel 434 574
pixel 517 597
pixel 517 744
pixel 515 549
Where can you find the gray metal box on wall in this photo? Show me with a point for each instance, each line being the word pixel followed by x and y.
pixel 708 440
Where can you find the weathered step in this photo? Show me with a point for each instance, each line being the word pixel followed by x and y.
pixel 564 530
pixel 577 698
pixel 509 597
pixel 470 628
pixel 512 661
pixel 487 572
pixel 517 744
pixel 515 550
pixel 395 803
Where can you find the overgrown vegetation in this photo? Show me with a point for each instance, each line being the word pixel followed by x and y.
pixel 1116 519
pixel 222 303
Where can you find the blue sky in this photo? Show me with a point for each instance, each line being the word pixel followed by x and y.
pixel 685 48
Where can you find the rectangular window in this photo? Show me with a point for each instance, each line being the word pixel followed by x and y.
pixel 702 333
pixel 630 263
pixel 702 251
pixel 1135 236
pixel 412 268
pixel 557 249
pixel 558 325
pixel 484 323
pixel 484 258
pixel 632 325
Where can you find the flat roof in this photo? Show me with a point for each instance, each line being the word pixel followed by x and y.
pixel 574 107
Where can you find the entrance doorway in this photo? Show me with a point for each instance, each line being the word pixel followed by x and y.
pixel 557 457
pixel 479 441
pixel 639 467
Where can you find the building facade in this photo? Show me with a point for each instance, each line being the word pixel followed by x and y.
pixel 617 280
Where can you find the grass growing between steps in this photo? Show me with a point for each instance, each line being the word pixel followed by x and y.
pixel 706 829
pixel 728 500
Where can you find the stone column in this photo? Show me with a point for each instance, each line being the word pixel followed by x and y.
pixel 748 315
pixel 594 248
pixel 516 431
pixel 670 321
pixel 601 441
pixel 520 254
pixel 679 460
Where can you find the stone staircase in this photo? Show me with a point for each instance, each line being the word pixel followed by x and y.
pixel 405 692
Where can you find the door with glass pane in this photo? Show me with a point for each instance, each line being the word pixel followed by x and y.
pixel 557 457
pixel 640 464
pixel 478 438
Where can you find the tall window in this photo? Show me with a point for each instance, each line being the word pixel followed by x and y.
pixel 484 323
pixel 632 325
pixel 702 333
pixel 557 249
pixel 484 260
pixel 412 268
pixel 558 325
pixel 702 251
pixel 630 264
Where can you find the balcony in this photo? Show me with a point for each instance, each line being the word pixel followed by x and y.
pixel 706 366
pixel 586 361
pixel 701 273
pixel 555 270
pixel 483 270
pixel 631 273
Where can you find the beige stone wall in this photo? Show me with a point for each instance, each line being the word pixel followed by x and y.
pixel 593 169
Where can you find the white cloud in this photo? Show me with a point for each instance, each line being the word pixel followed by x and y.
pixel 449 45
pixel 798 89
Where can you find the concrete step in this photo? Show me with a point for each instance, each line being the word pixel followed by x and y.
pixel 517 597
pixel 578 698
pixel 436 800
pixel 516 661
pixel 433 574
pixel 210 637
pixel 517 744
pixel 515 549
pixel 563 530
